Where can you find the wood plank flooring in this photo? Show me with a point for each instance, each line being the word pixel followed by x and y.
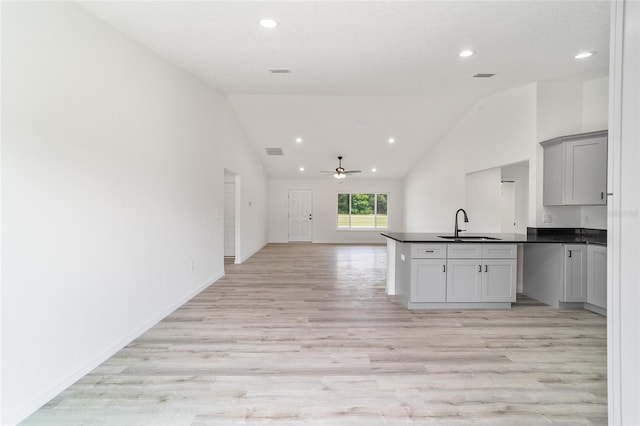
pixel 305 334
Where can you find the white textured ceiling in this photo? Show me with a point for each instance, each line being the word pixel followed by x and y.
pixel 362 71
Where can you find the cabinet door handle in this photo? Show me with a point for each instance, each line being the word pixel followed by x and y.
pixel 486 268
pixel 602 195
pixel 444 268
pixel 569 253
pixel 428 251
pixel 479 268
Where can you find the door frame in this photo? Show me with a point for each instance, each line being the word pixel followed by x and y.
pixel 237 214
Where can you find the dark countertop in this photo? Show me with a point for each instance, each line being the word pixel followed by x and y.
pixel 425 237
pixel 534 235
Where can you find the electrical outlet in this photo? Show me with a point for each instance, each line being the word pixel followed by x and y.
pixel 193 265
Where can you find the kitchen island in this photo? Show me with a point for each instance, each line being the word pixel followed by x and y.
pixel 440 271
pixel 473 271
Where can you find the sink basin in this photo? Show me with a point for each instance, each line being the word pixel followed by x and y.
pixel 468 237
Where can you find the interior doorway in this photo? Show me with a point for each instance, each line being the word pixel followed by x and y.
pixel 300 215
pixel 231 220
pixel 508 201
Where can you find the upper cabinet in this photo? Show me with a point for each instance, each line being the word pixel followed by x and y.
pixel 575 169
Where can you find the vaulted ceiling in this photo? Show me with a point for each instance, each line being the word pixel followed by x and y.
pixel 362 72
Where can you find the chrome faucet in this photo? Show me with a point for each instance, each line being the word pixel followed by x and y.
pixel 456 230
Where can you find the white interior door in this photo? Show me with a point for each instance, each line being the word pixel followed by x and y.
pixel 229 219
pixel 508 190
pixel 300 214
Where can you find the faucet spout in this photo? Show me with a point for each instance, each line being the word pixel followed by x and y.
pixel 456 229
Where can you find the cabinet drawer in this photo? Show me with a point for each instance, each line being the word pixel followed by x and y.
pixel 428 251
pixel 464 251
pixel 499 251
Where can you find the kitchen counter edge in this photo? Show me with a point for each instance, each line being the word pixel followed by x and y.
pixel 420 237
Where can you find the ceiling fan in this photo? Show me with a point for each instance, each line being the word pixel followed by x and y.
pixel 340 172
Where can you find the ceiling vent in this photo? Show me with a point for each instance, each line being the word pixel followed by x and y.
pixel 280 71
pixel 480 75
pixel 274 151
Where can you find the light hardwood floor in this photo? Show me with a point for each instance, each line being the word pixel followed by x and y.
pixel 305 334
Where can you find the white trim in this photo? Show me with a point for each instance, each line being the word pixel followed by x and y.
pixel 38 402
pixel 613 224
pixel 244 259
pixel 623 270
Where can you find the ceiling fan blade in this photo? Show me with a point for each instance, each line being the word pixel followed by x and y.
pixel 352 171
pixel 327 171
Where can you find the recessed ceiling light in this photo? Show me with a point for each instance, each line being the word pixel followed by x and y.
pixel 583 55
pixel 466 53
pixel 374 170
pixel 391 140
pixel 299 140
pixel 268 23
pixel 302 169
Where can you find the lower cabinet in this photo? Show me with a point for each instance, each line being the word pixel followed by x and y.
pixel 567 275
pixel 428 280
pixel 490 278
pixel 575 280
pixel 597 276
pixel 464 280
pixel 499 280
pixel 432 276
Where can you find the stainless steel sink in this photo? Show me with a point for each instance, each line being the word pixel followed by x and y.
pixel 468 237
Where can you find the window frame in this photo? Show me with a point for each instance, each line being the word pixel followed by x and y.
pixel 375 212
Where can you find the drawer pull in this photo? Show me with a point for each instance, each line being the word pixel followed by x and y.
pixel 486 268
pixel 428 251
pixel 444 268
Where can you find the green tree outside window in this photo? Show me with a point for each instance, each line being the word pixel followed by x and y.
pixel 362 210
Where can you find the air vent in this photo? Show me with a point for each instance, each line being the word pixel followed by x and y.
pixel 279 70
pixel 274 151
pixel 483 75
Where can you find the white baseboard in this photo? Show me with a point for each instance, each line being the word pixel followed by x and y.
pixel 244 258
pixel 21 414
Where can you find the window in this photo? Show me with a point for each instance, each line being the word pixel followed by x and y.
pixel 362 211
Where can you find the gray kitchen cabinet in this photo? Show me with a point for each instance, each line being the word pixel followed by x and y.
pixel 464 280
pixel 428 280
pixel 575 279
pixel 575 169
pixel 499 280
pixel 597 276
pixel 481 273
pixel 428 273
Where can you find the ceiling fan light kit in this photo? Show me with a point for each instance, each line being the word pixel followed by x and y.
pixel 340 172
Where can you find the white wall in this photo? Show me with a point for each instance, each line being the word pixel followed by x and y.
pixel 564 108
pixel 112 185
pixel 325 208
pixel 483 198
pixel 501 129
pixel 498 130
pixel 559 112
pixel 595 116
